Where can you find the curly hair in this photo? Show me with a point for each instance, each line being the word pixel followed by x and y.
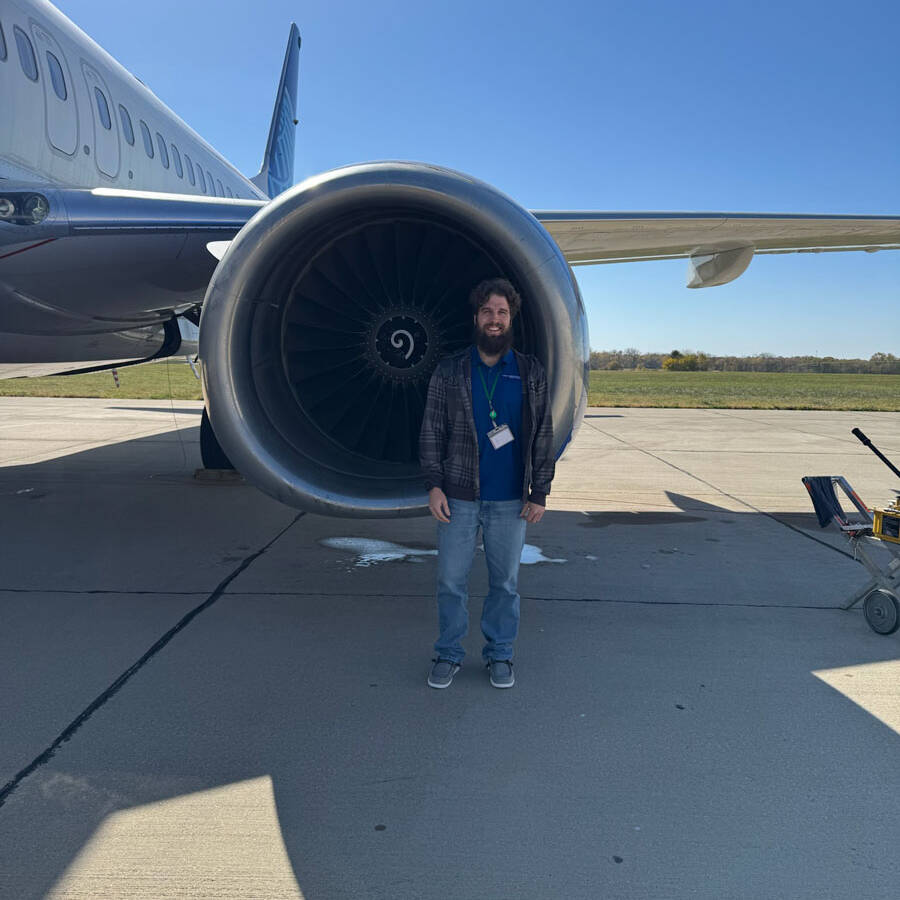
pixel 483 291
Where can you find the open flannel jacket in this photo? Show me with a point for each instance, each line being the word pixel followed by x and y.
pixel 448 442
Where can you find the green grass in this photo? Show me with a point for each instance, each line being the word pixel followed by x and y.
pixel 719 390
pixel 150 381
pixel 744 390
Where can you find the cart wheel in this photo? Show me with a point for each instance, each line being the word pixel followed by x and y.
pixel 882 611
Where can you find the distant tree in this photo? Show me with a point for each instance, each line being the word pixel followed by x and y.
pixel 630 357
pixel 690 360
pixel 884 363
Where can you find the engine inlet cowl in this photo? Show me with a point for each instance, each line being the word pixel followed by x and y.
pixel 328 313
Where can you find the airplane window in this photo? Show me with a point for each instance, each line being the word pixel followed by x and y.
pixel 26 53
pixel 103 109
pixel 2 44
pixel 176 158
pixel 163 153
pixel 148 141
pixel 56 76
pixel 219 191
pixel 201 179
pixel 190 169
pixel 228 191
pixel 126 124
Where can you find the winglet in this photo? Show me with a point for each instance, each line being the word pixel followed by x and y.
pixel 277 172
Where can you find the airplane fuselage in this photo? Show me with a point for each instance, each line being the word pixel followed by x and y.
pixel 71 117
pixel 74 116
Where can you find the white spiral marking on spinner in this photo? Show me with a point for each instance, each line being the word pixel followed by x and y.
pixel 397 341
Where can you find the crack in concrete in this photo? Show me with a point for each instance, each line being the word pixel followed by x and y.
pixel 719 490
pixel 119 683
pixel 830 437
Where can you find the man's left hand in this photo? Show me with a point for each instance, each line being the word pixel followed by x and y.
pixel 532 512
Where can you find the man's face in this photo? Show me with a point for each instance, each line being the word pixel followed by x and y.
pixel 493 318
pixel 493 324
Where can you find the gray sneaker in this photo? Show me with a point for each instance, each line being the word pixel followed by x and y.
pixel 442 673
pixel 501 673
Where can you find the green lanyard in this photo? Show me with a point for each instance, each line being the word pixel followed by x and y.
pixel 490 395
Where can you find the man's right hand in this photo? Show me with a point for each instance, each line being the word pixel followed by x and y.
pixel 438 505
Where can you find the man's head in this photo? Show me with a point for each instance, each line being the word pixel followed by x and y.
pixel 495 304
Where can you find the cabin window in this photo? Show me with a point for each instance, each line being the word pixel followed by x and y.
pixel 201 179
pixel 56 76
pixel 2 44
pixel 127 130
pixel 176 158
pixel 103 109
pixel 26 54
pixel 163 153
pixel 190 169
pixel 219 190
pixel 148 141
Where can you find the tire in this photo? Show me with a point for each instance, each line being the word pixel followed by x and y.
pixel 211 451
pixel 882 611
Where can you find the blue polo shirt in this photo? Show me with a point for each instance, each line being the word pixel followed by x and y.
pixel 501 472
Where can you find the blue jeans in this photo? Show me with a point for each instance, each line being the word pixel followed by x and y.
pixel 503 534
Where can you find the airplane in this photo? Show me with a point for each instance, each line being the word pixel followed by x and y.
pixel 322 307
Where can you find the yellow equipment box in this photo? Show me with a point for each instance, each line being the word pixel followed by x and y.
pixel 886 526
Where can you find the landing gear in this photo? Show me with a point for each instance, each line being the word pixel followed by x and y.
pixel 211 451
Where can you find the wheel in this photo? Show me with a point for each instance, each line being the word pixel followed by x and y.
pixel 882 611
pixel 211 451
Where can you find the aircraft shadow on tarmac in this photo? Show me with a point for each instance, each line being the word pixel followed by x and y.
pixel 669 731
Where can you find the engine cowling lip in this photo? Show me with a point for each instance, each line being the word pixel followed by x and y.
pixel 235 292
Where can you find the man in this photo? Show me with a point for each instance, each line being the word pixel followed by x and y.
pixel 486 450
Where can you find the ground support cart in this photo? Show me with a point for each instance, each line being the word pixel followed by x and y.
pixel 881 605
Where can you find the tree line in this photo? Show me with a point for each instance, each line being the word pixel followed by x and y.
pixel 693 361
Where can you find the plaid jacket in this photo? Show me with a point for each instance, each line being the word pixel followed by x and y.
pixel 448 442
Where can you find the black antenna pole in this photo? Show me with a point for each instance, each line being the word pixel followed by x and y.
pixel 866 442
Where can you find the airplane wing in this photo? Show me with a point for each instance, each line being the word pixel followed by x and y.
pixel 719 245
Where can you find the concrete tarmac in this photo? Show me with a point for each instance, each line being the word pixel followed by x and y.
pixel 205 694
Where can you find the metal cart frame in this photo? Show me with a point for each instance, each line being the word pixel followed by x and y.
pixel 879 596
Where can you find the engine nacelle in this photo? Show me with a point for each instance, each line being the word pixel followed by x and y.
pixel 329 311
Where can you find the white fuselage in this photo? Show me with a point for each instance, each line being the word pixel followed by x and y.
pixel 71 115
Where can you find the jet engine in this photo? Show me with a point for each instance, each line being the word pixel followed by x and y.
pixel 329 311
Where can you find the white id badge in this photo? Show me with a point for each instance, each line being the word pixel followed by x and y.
pixel 500 436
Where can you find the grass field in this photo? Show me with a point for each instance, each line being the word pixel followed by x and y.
pixel 745 390
pixel 151 381
pixel 718 390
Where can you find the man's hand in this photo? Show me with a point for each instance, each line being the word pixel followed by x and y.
pixel 438 505
pixel 532 512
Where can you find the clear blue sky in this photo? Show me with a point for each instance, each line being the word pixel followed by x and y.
pixel 728 106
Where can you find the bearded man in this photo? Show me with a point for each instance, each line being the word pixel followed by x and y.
pixel 486 451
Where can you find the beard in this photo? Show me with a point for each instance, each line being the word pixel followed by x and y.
pixel 493 344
